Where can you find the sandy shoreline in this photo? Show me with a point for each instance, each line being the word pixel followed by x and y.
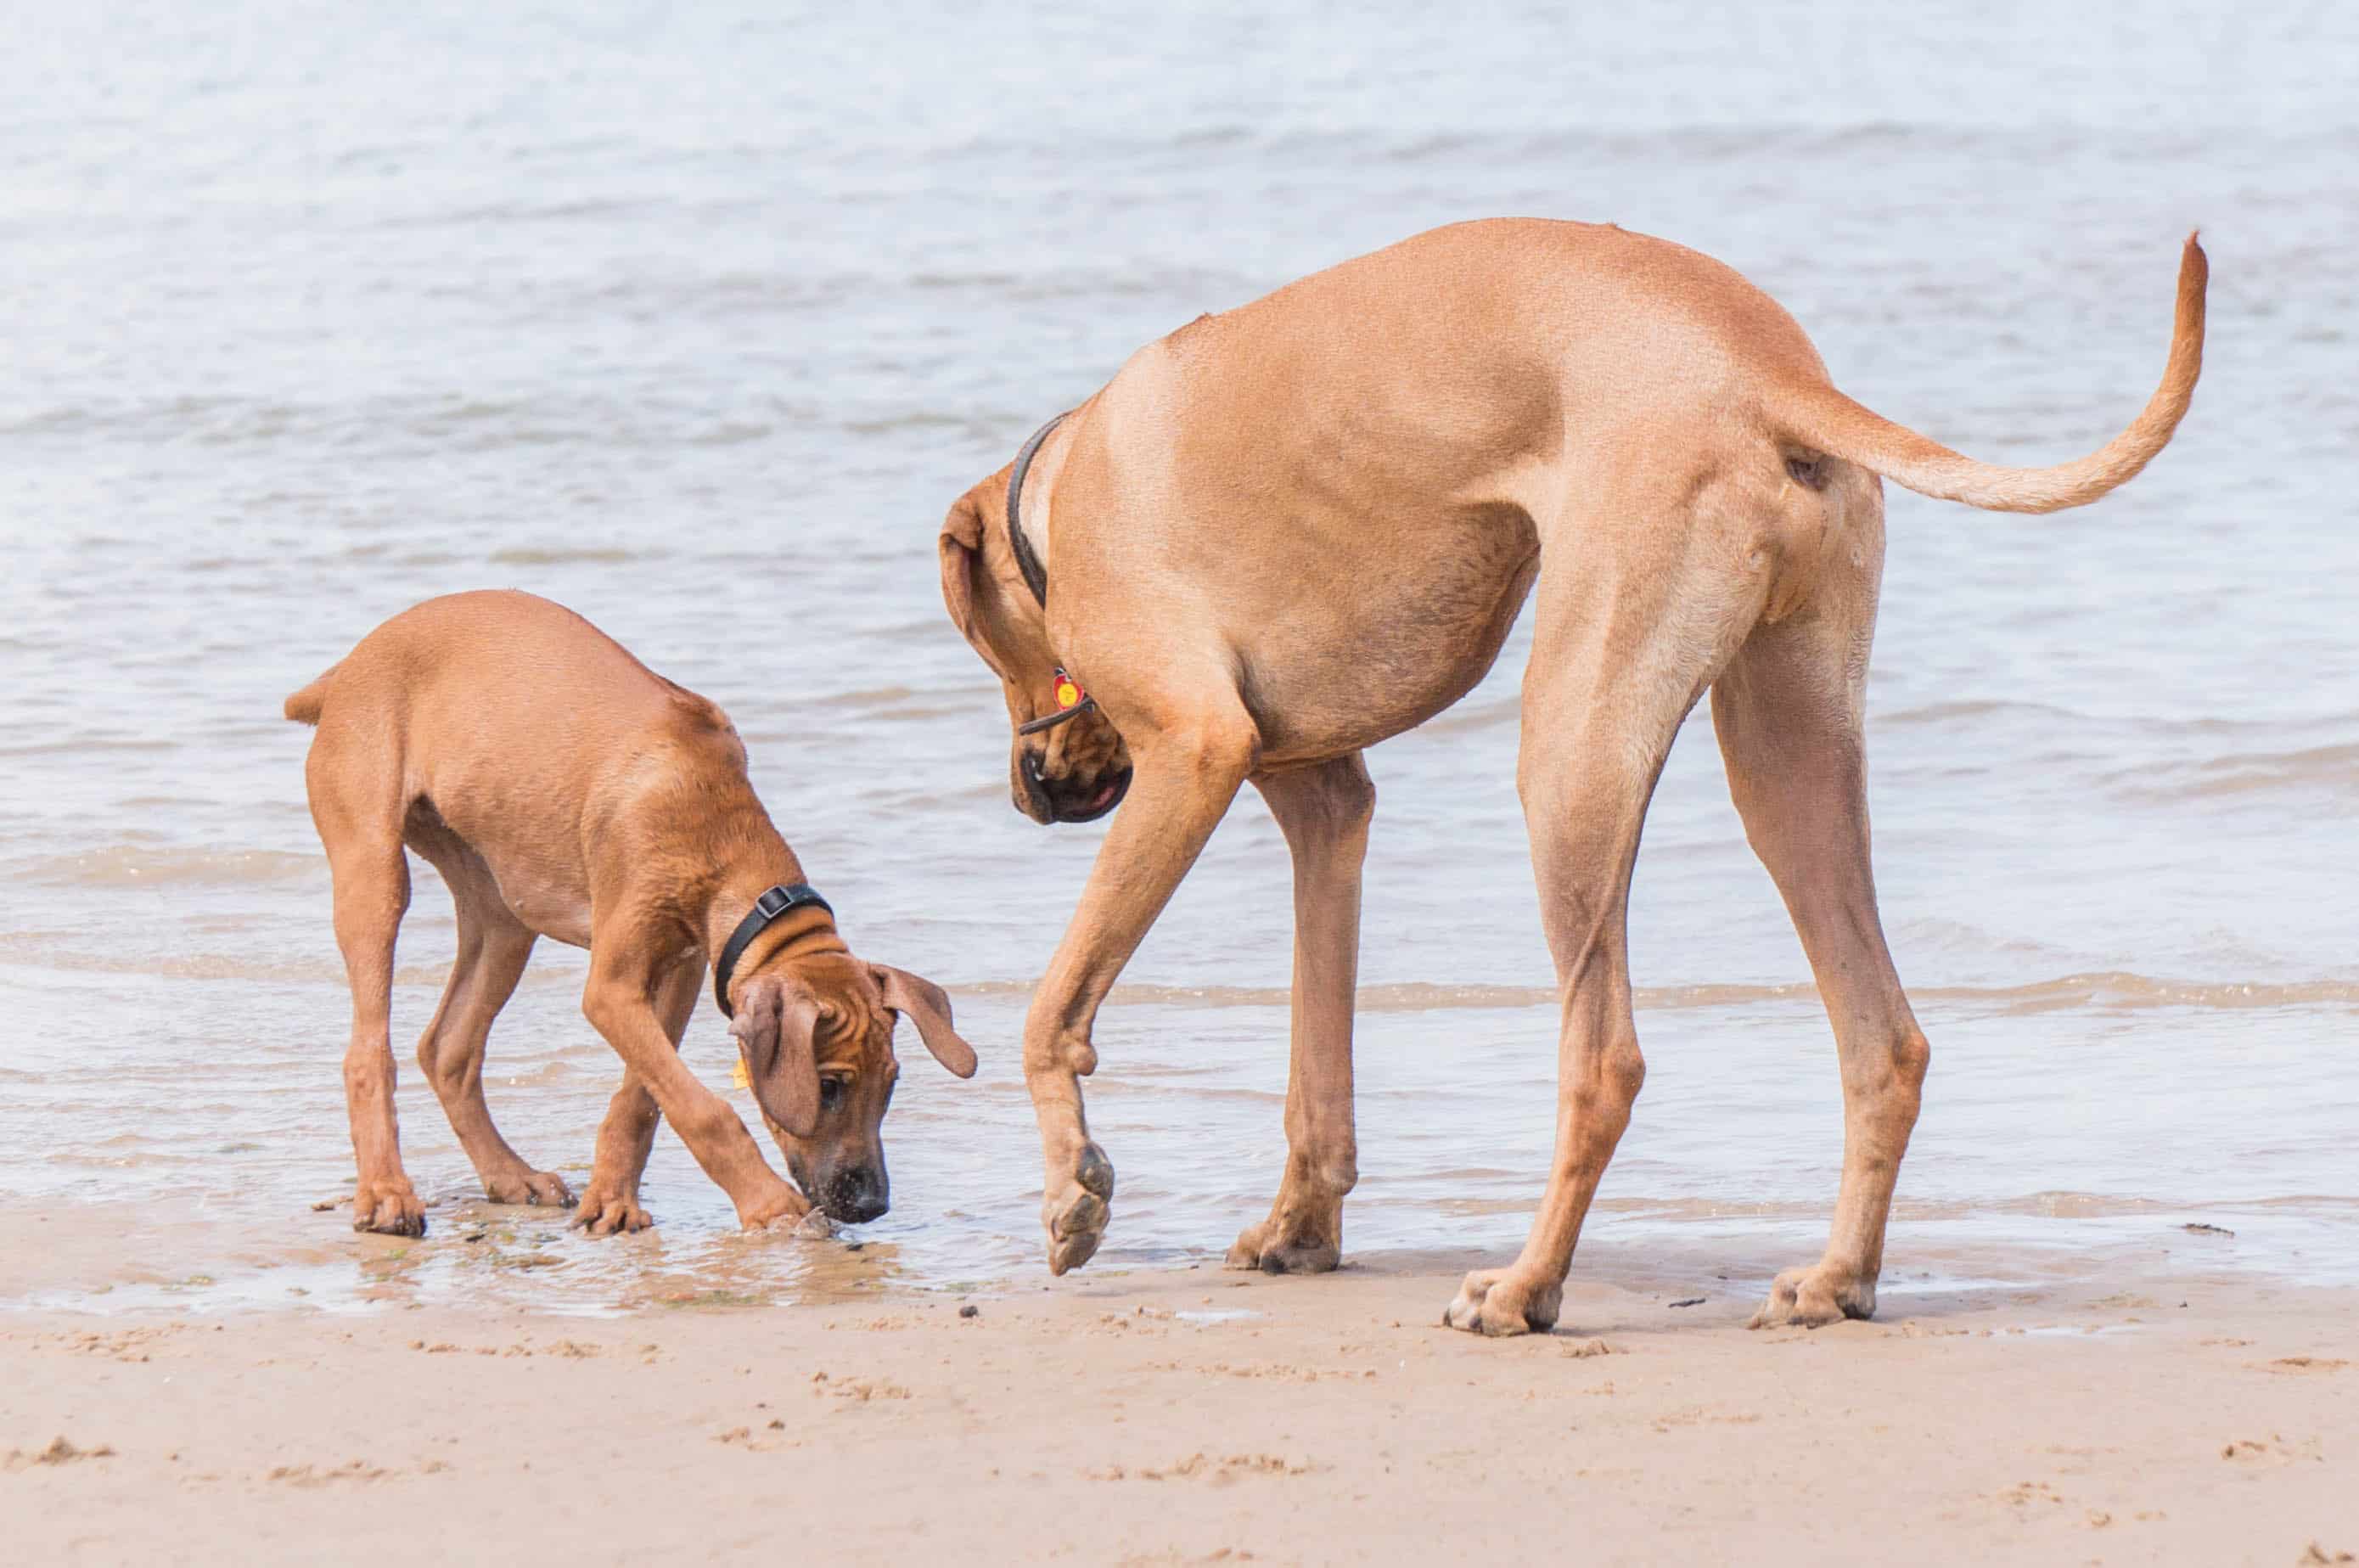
pixel 1193 1415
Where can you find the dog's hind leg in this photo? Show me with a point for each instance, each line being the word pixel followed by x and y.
pixel 611 1202
pixel 1323 811
pixel 493 946
pixel 1789 712
pixel 1627 636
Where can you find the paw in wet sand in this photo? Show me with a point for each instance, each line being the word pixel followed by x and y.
pixel 1498 1303
pixel 541 1189
pixel 611 1214
pixel 1814 1297
pixel 1297 1239
pixel 388 1207
pixel 780 1209
pixel 1075 1211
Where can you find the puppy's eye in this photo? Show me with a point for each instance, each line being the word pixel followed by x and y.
pixel 831 1093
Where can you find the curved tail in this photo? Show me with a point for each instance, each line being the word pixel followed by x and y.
pixel 304 706
pixel 1825 418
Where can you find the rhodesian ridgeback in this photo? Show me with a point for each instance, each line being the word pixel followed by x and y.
pixel 564 789
pixel 1289 531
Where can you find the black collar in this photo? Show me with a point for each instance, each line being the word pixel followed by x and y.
pixel 774 903
pixel 1036 576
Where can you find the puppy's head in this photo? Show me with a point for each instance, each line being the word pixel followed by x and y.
pixel 818 1044
pixel 1076 771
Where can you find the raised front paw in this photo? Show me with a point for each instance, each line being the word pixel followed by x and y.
pixel 1499 1303
pixel 389 1207
pixel 545 1189
pixel 1296 1239
pixel 611 1214
pixel 1075 1210
pixel 1814 1297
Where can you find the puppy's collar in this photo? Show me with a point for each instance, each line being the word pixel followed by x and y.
pixel 774 903
pixel 1036 576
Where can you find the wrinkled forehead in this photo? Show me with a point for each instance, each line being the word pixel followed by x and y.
pixel 853 1020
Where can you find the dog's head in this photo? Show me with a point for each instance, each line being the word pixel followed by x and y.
pixel 1078 771
pixel 818 1043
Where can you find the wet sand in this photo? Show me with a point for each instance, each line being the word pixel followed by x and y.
pixel 1194 1415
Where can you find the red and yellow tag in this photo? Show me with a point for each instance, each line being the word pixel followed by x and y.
pixel 1068 692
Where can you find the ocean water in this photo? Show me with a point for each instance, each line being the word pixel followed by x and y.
pixel 695 319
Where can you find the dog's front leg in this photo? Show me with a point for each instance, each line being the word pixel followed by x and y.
pixel 616 1002
pixel 1185 779
pixel 611 1202
pixel 1323 811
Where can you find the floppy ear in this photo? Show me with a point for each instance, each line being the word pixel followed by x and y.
pixel 962 552
pixel 922 1002
pixel 776 1027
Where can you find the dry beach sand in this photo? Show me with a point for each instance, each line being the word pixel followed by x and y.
pixel 1193 1415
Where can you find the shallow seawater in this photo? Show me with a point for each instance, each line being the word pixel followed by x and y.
pixel 697 324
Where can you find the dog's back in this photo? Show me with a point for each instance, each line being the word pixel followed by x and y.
pixel 515 724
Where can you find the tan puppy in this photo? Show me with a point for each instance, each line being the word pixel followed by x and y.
pixel 1284 533
pixel 564 789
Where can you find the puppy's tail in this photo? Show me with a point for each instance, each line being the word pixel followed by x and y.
pixel 304 706
pixel 1822 417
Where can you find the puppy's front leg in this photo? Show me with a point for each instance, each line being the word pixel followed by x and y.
pixel 616 1003
pixel 611 1202
pixel 610 1205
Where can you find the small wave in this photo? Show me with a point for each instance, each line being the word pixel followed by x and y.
pixel 2332 767
pixel 2111 989
pixel 123 866
pixel 2105 989
pixel 39 951
pixel 560 556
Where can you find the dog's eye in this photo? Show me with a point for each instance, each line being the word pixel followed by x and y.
pixel 832 1091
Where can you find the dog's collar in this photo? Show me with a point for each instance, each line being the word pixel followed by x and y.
pixel 1036 576
pixel 774 903
pixel 1071 701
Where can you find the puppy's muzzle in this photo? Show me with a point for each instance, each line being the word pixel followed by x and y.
pixel 1069 799
pixel 855 1194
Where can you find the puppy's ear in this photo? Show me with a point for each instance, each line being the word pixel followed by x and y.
pixel 922 1002
pixel 776 1027
pixel 962 552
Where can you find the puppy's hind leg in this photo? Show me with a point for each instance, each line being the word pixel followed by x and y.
pixel 1789 713
pixel 372 894
pixel 1324 812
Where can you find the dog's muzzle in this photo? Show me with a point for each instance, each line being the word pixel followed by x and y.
pixel 1069 799
pixel 855 1195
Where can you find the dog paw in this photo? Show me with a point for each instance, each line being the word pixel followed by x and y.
pixel 1289 1242
pixel 543 1188
pixel 1076 1212
pixel 1815 1297
pixel 388 1207
pixel 1496 1303
pixel 781 1210
pixel 604 1213
pixel 812 1227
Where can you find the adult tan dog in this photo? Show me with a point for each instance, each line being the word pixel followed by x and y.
pixel 564 789
pixel 1287 533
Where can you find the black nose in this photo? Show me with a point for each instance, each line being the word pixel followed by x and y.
pixel 857 1195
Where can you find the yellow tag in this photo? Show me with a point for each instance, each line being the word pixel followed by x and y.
pixel 738 1076
pixel 1067 692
